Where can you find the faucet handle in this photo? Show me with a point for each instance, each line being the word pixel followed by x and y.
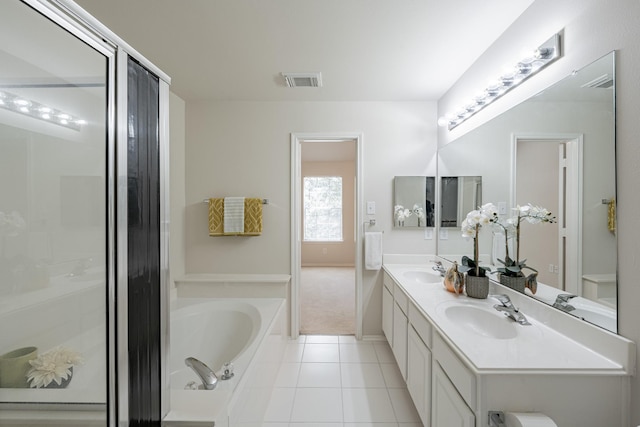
pixel 504 299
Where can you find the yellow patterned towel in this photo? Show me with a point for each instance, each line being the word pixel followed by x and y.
pixel 611 215
pixel 252 217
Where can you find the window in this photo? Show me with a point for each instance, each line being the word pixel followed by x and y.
pixel 323 209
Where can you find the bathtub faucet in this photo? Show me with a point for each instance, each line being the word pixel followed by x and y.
pixel 206 374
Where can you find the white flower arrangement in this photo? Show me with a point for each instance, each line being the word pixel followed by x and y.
pixel 401 213
pixel 471 225
pixel 54 365
pixel 532 214
pixel 418 211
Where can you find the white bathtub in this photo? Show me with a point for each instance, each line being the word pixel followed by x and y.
pixel 247 332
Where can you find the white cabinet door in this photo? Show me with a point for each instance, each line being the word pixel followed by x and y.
pixel 419 375
pixel 399 346
pixel 449 409
pixel 387 314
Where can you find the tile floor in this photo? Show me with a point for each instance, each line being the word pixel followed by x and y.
pixel 336 381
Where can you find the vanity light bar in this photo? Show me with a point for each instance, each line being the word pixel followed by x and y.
pixel 532 63
pixel 36 110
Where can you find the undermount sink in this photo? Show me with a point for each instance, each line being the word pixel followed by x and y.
pixel 481 321
pixel 423 276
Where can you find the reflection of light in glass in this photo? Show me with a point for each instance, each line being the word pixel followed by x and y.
pixel 36 110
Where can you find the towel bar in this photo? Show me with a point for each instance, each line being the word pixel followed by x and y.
pixel 264 201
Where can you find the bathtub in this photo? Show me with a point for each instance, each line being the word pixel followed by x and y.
pixel 246 332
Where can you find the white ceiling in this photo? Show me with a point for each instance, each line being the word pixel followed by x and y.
pixel 367 50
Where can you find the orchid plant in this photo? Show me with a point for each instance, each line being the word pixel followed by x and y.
pixel 470 229
pixel 531 214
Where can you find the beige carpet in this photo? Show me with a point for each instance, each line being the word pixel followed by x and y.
pixel 327 301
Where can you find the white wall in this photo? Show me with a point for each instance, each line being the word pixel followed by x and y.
pixel 592 28
pixel 243 148
pixel 176 186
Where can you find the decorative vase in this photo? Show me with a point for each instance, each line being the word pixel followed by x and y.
pixel 514 282
pixel 63 384
pixel 14 367
pixel 477 287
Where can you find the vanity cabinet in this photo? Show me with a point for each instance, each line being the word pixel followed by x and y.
pixel 419 375
pixel 387 312
pixel 455 384
pixel 400 329
pixel 449 408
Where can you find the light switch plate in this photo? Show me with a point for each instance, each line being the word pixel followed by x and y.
pixel 371 208
pixel 502 208
pixel 444 234
pixel 428 234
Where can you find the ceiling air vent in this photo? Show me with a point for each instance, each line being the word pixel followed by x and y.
pixel 605 81
pixel 303 79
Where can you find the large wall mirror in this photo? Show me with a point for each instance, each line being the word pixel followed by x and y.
pixel 555 150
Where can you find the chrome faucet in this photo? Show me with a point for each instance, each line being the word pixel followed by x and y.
pixel 206 374
pixel 439 268
pixel 507 307
pixel 562 302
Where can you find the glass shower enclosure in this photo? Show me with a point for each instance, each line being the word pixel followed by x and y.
pixel 54 252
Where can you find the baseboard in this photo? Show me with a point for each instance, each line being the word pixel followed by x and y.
pixel 374 338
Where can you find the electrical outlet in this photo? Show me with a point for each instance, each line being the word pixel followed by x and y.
pixel 556 269
pixel 428 234
pixel 502 208
pixel 444 234
pixel 550 268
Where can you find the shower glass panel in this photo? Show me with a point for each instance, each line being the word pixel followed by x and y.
pixel 53 220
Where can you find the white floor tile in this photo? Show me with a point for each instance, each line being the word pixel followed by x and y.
pixel 361 375
pixel 293 352
pixel 288 375
pixel 328 353
pixel 403 406
pixel 392 375
pixel 319 405
pixel 322 339
pixel 319 375
pixel 280 405
pixel 383 351
pixel 367 405
pixel 358 353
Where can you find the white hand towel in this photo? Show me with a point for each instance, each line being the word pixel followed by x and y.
pixel 373 250
pixel 234 214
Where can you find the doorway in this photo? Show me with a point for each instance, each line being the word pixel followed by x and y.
pixel 326 270
pixel 548 172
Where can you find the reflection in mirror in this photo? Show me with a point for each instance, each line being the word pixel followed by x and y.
pixel 459 196
pixel 555 150
pixel 414 201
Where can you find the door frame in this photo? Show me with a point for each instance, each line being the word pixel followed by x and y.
pixel 297 139
pixel 574 200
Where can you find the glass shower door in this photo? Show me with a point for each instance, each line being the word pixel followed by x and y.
pixel 54 253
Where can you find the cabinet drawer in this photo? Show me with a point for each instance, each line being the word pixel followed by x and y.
pixel 401 299
pixel 461 377
pixel 420 324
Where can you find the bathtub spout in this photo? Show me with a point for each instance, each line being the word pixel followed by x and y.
pixel 206 374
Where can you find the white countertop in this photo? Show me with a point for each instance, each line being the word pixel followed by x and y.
pixel 536 348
